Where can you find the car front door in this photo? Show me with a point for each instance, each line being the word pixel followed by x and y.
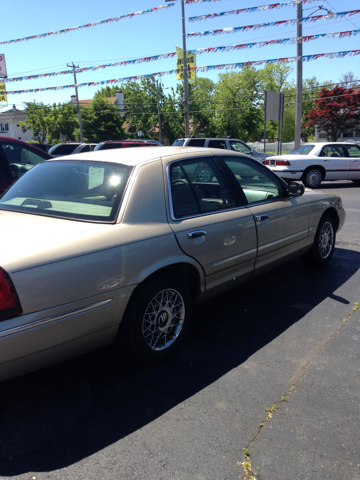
pixel 336 162
pixel 282 222
pixel 353 152
pixel 209 224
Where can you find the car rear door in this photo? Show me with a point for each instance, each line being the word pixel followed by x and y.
pixel 282 222
pixel 209 224
pixel 336 162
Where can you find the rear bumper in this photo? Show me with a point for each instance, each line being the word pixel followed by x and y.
pixel 35 341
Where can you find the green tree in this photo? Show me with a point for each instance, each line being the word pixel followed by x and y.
pixel 36 120
pixel 101 121
pixel 237 104
pixel 62 121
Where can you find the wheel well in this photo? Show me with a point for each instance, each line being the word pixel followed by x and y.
pixel 184 270
pixel 332 211
pixel 317 167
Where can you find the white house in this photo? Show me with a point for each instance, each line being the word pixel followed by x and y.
pixel 10 125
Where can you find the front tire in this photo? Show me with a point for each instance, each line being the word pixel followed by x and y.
pixel 156 321
pixel 312 178
pixel 323 247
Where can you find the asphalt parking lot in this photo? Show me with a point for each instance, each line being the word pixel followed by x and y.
pixel 270 370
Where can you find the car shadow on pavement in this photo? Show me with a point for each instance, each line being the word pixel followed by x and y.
pixel 348 184
pixel 58 416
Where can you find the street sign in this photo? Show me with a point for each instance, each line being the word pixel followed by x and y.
pixel 140 133
pixel 3 73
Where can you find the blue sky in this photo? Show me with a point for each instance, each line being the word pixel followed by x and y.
pixel 154 34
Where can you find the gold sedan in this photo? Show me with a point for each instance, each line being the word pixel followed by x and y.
pixel 118 245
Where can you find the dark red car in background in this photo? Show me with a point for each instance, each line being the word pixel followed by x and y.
pixel 16 158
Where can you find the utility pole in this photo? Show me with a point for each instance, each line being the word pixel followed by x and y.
pixel 158 108
pixel 299 75
pixel 186 95
pixel 77 100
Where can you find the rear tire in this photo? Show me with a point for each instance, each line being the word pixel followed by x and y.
pixel 156 321
pixel 312 177
pixel 324 242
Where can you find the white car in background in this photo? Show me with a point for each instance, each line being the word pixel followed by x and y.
pixel 314 162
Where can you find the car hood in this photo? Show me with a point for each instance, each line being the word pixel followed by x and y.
pixel 28 240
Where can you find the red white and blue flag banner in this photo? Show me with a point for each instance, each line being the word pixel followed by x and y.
pixel 207 1
pixel 93 24
pixel 329 16
pixel 199 51
pixel 245 10
pixel 228 66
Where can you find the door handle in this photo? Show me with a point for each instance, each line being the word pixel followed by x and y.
pixel 198 233
pixel 259 218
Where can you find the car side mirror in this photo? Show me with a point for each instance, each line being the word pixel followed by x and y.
pixel 295 189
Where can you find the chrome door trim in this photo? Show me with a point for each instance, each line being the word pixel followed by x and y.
pixel 55 318
pixel 235 257
pixel 282 240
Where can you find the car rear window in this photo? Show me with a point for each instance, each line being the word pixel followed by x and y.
pixel 64 149
pixel 303 150
pixel 75 190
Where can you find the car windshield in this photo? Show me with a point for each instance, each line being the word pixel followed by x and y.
pixel 79 190
pixel 178 143
pixel 303 150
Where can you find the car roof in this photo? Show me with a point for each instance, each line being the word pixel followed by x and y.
pixel 138 156
pixel 9 139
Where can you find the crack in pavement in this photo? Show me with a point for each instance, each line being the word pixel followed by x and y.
pixel 249 473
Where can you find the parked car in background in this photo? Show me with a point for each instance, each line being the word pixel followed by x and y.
pixel 43 146
pixel 120 247
pixel 109 144
pixel 16 158
pixel 314 162
pixel 84 147
pixel 61 149
pixel 223 143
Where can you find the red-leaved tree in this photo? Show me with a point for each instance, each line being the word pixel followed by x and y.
pixel 336 111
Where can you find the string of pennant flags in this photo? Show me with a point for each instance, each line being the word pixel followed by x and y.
pixel 88 25
pixel 245 10
pixel 208 1
pixel 229 66
pixel 315 18
pixel 199 51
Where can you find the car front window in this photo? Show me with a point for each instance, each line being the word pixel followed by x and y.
pixel 70 189
pixel 256 181
pixel 303 150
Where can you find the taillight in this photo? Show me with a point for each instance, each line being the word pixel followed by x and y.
pixel 277 162
pixel 9 302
